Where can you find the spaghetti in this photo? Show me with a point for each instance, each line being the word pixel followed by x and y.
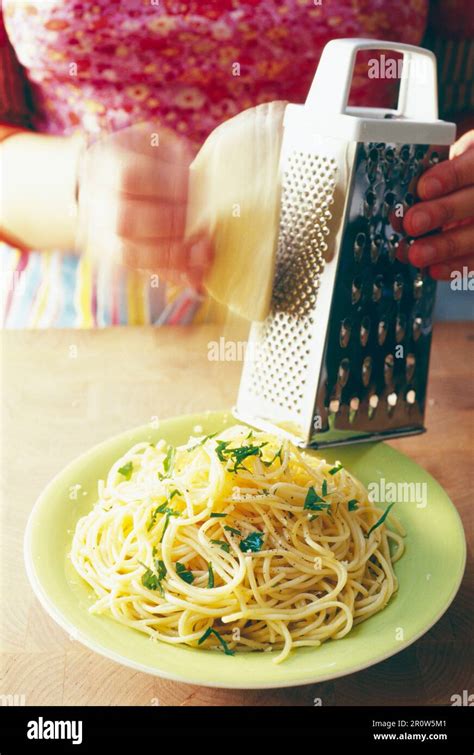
pixel 238 541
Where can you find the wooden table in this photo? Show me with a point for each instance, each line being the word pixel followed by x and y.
pixel 64 391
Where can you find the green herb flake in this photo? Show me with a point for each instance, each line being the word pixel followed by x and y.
pixel 313 502
pixel 221 449
pixel 336 469
pixel 216 634
pixel 167 521
pixel 152 580
pixel 169 460
pixel 353 505
pixel 277 456
pixel 126 470
pixel 381 520
pixel 237 455
pixel 222 544
pixel 324 488
pixel 162 509
pixel 232 530
pixel 210 579
pixel 252 542
pixel 202 441
pixel 182 572
pixel 217 515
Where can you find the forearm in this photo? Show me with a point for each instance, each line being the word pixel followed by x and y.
pixel 37 190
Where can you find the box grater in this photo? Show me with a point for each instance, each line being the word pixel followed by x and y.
pixel 343 355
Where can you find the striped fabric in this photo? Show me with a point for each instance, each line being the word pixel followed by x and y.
pixel 52 289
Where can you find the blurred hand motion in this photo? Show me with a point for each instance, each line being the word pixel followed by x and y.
pixel 133 196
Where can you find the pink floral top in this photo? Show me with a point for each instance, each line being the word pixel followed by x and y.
pixel 100 65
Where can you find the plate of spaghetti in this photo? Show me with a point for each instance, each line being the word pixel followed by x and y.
pixel 213 553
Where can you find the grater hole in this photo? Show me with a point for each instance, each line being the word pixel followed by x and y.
pixel 410 367
pixel 345 333
pixel 420 151
pixel 418 286
pixel 373 404
pixel 408 200
pixel 392 399
pixel 393 244
pixel 356 291
pixel 411 397
pixel 375 246
pixel 359 245
pixel 369 203
pixel 400 328
pixel 353 408
pixel 398 284
pixel 434 158
pixel 382 332
pixel 405 152
pixel 366 371
pixel 388 367
pixel 416 328
pixel 334 405
pixel 364 331
pixel 373 154
pixel 343 372
pixel 377 288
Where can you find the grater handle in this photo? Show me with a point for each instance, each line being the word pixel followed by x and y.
pixel 418 97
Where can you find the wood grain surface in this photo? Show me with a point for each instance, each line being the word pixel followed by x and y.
pixel 64 391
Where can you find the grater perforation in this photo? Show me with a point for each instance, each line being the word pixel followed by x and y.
pixel 343 354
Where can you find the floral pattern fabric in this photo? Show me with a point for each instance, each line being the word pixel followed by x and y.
pixel 99 65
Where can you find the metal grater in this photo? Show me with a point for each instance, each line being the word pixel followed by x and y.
pixel 343 355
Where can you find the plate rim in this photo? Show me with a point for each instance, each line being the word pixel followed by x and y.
pixel 57 616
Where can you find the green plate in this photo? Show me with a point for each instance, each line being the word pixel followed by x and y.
pixel 430 572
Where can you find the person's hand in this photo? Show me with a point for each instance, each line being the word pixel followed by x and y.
pixel 447 207
pixel 133 193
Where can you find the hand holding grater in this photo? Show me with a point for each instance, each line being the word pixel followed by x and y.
pixel 343 355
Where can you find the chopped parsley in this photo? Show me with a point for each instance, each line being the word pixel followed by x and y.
pixel 126 470
pixel 202 441
pixel 221 449
pixel 152 579
pixel 237 455
pixel 252 542
pixel 210 579
pixel 324 488
pixel 169 512
pixel 162 509
pixel 381 520
pixel 216 515
pixel 336 469
pixel 218 637
pixel 232 530
pixel 182 572
pixel 169 460
pixel 222 544
pixel 277 456
pixel 313 502
pixel 353 505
